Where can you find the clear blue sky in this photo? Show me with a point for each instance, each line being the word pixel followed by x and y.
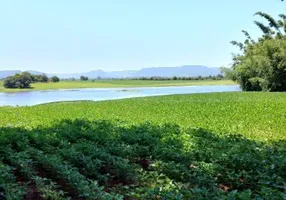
pixel 66 36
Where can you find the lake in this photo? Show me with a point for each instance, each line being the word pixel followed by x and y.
pixel 98 94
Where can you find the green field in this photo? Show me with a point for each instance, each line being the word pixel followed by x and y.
pixel 115 84
pixel 200 146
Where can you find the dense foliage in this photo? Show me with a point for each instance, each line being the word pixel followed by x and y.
pixel 56 156
pixel 55 79
pixel 22 80
pixel 40 78
pixel 262 63
pixel 102 160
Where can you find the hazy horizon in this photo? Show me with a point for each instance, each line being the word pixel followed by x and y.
pixel 74 37
pixel 100 69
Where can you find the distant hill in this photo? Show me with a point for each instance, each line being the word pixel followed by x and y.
pixel 186 70
pixel 34 72
pixel 5 73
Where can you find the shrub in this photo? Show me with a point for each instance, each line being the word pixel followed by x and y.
pixel 83 78
pixel 9 82
pixel 40 78
pixel 55 79
pixel 43 78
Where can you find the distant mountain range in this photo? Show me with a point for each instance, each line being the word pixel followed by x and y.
pixel 6 73
pixel 186 70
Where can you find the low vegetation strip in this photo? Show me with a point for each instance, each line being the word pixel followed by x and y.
pixel 115 84
pixel 259 116
pixel 201 146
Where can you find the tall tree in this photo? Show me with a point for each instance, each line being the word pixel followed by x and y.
pixel 261 65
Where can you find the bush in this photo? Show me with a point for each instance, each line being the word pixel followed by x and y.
pixel 9 82
pixel 83 78
pixel 22 80
pixel 55 79
pixel 40 78
pixel 43 78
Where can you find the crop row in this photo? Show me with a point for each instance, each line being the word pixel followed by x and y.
pixel 32 165
pixel 81 159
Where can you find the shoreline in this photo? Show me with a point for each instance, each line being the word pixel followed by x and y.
pixel 113 84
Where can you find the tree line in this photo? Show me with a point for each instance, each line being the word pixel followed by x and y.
pixel 159 78
pixel 24 80
pixel 156 78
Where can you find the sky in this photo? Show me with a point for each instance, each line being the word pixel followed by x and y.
pixel 69 36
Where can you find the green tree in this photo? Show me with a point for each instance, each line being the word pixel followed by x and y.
pixel 40 78
pixel 43 78
pixel 55 79
pixel 261 65
pixel 22 80
pixel 83 78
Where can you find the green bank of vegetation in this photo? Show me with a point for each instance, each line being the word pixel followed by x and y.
pixel 69 84
pixel 261 64
pixel 25 79
pixel 201 146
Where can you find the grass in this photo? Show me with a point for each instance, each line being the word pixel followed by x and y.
pixel 200 146
pixel 115 84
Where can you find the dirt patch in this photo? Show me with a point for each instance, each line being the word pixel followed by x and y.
pixel 33 193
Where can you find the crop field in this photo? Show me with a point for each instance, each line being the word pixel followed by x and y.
pixel 116 84
pixel 200 146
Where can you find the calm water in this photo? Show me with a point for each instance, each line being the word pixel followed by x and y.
pixel 96 94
